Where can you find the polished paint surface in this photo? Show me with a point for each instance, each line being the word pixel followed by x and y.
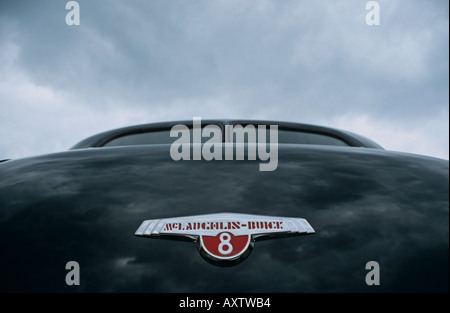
pixel 85 205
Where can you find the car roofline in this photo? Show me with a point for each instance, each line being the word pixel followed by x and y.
pixel 100 139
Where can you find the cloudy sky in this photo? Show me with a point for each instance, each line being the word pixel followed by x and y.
pixel 140 61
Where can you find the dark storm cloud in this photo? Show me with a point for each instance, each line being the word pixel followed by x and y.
pixel 303 61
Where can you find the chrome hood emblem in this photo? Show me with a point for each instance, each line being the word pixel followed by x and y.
pixel 224 239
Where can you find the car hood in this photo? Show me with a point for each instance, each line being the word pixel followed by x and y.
pixel 85 206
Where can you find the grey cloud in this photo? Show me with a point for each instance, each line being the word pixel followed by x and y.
pixel 290 60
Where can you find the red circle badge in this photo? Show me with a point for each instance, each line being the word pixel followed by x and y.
pixel 225 245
